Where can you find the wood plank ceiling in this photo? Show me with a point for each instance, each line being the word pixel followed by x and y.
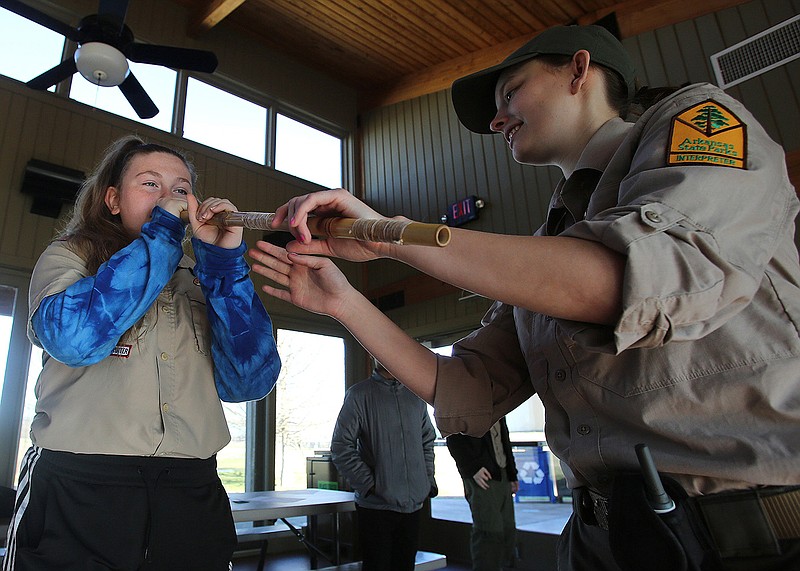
pixel 392 50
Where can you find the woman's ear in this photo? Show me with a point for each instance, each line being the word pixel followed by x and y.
pixel 112 199
pixel 580 69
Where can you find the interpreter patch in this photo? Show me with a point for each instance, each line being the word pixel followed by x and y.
pixel 123 351
pixel 708 134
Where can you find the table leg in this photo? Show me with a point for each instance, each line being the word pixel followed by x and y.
pixel 337 551
pixel 308 539
pixel 312 538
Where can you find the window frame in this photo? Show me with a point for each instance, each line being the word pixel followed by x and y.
pixel 274 108
pixel 12 399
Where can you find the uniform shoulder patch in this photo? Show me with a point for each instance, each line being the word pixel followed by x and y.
pixel 707 134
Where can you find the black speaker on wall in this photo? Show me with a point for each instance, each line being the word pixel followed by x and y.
pixel 51 186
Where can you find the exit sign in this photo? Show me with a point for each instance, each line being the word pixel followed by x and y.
pixel 463 211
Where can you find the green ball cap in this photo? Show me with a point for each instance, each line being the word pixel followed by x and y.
pixel 473 95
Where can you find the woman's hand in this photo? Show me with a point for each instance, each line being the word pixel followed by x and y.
pixel 200 215
pixel 309 282
pixel 339 203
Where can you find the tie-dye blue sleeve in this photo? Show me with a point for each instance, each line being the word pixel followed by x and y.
pixel 81 325
pixel 246 361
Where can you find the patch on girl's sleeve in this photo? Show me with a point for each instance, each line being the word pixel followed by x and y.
pixel 707 134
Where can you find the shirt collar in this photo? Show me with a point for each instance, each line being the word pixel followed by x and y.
pixel 603 144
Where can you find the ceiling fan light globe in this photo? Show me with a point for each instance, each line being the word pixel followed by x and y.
pixel 101 64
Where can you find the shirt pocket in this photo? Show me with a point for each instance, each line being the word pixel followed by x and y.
pixel 637 371
pixel 742 349
pixel 199 319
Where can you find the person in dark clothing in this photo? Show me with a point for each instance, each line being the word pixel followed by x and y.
pixel 383 444
pixel 489 473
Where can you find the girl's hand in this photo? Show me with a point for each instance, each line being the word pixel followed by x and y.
pixel 339 203
pixel 200 215
pixel 172 204
pixel 309 282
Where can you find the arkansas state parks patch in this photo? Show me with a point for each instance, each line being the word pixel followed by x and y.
pixel 708 134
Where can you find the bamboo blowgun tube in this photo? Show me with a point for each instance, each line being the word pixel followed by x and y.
pixel 364 229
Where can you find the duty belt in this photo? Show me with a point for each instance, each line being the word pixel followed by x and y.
pixel 779 506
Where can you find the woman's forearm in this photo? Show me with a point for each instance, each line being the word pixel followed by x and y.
pixel 563 277
pixel 411 363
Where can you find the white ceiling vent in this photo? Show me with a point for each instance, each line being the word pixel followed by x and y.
pixel 760 53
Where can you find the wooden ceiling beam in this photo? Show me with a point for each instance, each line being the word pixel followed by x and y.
pixel 633 16
pixel 439 77
pixel 208 16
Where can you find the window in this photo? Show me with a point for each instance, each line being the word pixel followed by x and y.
pixel 308 396
pixel 224 121
pixel 159 83
pixel 308 153
pixel 232 460
pixel 28 49
pixel 29 409
pixel 212 116
pixel 15 354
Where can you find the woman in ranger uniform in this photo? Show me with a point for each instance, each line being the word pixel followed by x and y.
pixel 658 305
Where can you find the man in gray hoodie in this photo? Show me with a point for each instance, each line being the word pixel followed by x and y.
pixel 383 444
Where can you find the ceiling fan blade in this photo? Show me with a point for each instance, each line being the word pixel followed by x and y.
pixel 116 9
pixel 54 75
pixel 40 18
pixel 138 98
pixel 178 58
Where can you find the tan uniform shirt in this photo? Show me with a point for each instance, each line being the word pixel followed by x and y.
pixel 704 362
pixel 154 396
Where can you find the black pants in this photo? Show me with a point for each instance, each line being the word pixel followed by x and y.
pixel 388 539
pixel 79 512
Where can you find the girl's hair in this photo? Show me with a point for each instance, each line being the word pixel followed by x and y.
pixel 92 231
pixel 616 89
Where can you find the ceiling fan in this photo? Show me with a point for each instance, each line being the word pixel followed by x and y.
pixel 105 44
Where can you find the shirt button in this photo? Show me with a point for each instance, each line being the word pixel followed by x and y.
pixel 165 407
pixel 584 429
pixel 561 375
pixel 196 281
pixel 652 216
pixel 164 356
